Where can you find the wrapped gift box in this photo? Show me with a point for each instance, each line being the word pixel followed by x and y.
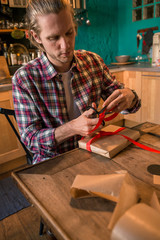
pixel 109 146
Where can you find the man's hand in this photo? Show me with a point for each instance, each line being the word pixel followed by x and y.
pixel 119 100
pixel 82 125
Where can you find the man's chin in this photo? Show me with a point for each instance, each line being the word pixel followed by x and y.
pixel 66 59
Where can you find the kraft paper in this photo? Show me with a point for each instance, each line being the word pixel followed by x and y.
pixel 154 202
pixel 119 188
pixel 139 222
pixel 156 179
pixel 109 146
pixel 106 186
pixel 130 219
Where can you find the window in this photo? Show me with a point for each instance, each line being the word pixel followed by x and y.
pixel 145 9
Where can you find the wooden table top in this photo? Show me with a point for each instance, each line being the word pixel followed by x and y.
pixel 47 186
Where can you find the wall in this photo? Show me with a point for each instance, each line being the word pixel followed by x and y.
pixel 127 30
pixel 112 31
pixel 101 36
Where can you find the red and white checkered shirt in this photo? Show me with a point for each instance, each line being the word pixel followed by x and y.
pixel 40 103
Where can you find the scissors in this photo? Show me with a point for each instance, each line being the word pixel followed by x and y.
pixel 99 112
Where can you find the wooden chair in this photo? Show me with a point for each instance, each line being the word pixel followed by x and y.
pixel 4 73
pixel 11 112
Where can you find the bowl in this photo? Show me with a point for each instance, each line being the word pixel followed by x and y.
pixel 122 58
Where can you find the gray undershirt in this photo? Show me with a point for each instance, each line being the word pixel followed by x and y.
pixel 72 108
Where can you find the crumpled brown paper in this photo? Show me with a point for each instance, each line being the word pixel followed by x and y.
pixel 139 222
pixel 119 188
pixel 106 186
pixel 130 220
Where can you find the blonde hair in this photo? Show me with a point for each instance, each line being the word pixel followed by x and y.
pixel 37 8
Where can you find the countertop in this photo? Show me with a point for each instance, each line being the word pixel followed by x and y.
pixel 142 67
pixel 6 85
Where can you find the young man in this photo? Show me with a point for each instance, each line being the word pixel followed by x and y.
pixel 52 92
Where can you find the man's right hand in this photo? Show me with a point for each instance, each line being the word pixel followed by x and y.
pixel 82 125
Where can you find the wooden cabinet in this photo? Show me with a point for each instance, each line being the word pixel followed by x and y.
pixel 147 86
pixel 132 80
pixel 12 154
pixel 119 76
pixel 151 97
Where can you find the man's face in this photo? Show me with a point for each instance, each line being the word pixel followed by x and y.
pixel 58 38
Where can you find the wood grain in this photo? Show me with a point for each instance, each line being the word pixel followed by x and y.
pixel 150 97
pixel 22 225
pixel 47 186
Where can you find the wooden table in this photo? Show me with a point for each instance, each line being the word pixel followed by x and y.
pixel 47 187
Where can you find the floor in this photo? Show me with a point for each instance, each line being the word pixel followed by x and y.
pixel 22 225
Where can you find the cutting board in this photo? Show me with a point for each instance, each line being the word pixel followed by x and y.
pixel 109 146
pixel 122 63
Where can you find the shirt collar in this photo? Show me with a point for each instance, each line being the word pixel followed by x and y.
pixel 49 70
pixel 47 67
pixel 77 62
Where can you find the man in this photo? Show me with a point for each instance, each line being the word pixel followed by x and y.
pixel 51 93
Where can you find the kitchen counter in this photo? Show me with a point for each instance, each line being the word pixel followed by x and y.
pixel 142 67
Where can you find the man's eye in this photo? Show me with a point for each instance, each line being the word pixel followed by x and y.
pixel 53 38
pixel 69 33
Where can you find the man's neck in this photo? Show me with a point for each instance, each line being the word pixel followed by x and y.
pixel 61 67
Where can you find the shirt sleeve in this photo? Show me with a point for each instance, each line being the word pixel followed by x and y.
pixel 37 138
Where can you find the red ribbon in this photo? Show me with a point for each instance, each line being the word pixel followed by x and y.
pixel 103 133
pixel 101 118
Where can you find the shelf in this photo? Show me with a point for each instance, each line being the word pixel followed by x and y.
pixel 10 30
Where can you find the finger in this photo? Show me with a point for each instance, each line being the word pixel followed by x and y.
pixel 93 121
pixel 114 104
pixel 89 112
pixel 116 95
pixel 119 107
pixel 94 105
pixel 97 130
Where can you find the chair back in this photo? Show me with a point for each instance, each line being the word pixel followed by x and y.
pixel 11 112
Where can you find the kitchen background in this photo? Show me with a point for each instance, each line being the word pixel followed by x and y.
pixel 112 31
pixel 107 27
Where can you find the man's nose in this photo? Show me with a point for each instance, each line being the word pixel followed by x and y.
pixel 64 42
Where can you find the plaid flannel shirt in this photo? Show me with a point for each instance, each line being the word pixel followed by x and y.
pixel 40 103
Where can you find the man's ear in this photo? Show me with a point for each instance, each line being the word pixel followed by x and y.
pixel 35 36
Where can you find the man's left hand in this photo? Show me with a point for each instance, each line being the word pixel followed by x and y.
pixel 119 100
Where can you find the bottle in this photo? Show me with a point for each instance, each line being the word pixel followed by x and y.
pixel 19 59
pixel 5 52
pixel 13 55
pixel 1 47
pixel 9 59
